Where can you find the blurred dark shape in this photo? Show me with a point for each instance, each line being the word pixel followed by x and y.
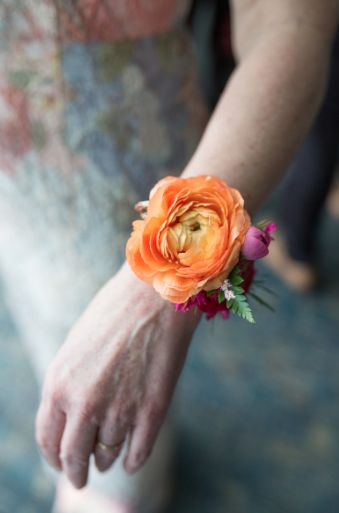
pixel 211 28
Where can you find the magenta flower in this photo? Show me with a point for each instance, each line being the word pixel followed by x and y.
pixel 205 303
pixel 248 272
pixel 257 242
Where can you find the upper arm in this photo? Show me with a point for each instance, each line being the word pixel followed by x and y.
pixel 254 19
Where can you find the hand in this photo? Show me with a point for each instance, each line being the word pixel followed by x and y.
pixel 113 378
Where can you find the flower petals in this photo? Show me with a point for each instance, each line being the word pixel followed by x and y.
pixel 191 236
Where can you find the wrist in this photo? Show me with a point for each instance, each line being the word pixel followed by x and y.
pixel 151 299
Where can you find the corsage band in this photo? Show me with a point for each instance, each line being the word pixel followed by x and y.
pixel 196 246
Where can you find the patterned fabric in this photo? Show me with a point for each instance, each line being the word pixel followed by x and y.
pixel 109 20
pixel 35 37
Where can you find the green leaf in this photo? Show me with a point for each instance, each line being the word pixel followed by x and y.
pixel 235 272
pixel 238 290
pixel 261 301
pixel 240 306
pixel 221 296
pixel 236 280
pixel 241 297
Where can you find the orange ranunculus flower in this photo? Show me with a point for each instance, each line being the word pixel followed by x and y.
pixel 190 238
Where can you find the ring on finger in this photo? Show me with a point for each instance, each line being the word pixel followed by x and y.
pixel 108 447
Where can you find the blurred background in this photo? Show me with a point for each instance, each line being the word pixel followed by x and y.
pixel 256 411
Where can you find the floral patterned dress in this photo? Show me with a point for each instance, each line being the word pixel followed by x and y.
pixel 98 100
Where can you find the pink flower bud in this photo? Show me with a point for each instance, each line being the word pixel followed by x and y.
pixel 256 243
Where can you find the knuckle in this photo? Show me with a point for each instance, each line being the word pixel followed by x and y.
pixel 56 396
pixel 120 415
pixel 86 409
pixel 123 418
pixel 46 445
pixel 52 391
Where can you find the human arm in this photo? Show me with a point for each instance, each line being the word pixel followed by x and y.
pixel 283 51
pixel 114 379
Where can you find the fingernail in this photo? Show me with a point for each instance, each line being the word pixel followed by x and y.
pixel 104 465
pixel 79 482
pixel 78 476
pixel 130 467
pixel 105 461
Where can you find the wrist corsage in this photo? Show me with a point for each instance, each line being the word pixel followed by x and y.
pixel 196 246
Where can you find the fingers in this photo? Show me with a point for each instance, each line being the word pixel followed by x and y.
pixel 142 439
pixel 49 427
pixel 76 447
pixel 110 440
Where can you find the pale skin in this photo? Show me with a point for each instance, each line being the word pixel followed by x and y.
pixel 113 380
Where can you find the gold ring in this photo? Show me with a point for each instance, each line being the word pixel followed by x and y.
pixel 107 447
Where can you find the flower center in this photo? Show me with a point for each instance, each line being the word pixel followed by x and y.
pixel 195 227
pixel 193 233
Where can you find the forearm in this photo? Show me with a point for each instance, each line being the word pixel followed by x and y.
pixel 265 112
